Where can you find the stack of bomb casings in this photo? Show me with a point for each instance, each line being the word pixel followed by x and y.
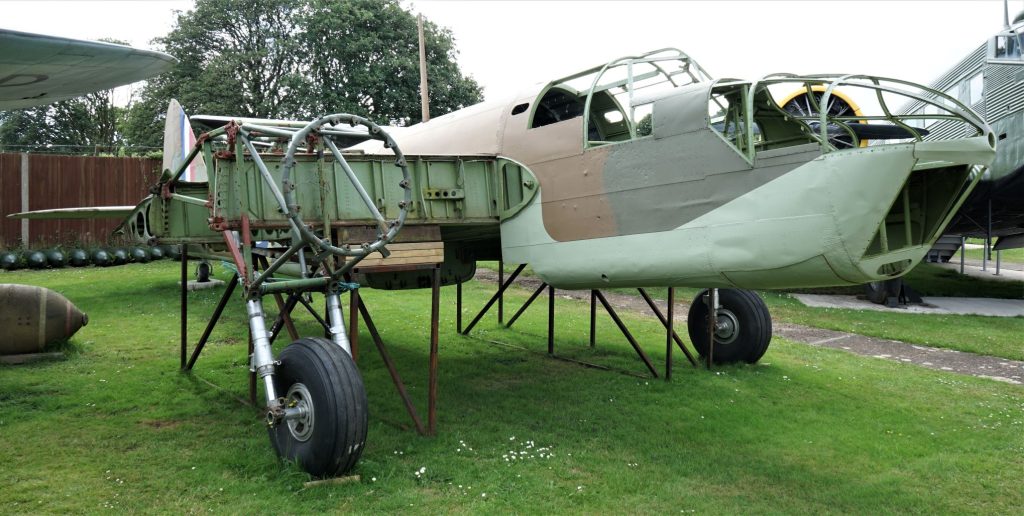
pixel 57 257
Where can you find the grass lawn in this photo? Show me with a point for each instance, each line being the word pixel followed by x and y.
pixel 808 430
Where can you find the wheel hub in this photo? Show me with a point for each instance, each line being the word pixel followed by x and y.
pixel 727 327
pixel 299 399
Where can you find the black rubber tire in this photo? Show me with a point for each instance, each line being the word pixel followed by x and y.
pixel 339 403
pixel 203 271
pixel 753 321
pixel 878 292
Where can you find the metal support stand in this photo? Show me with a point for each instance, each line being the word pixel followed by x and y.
pixel 595 296
pixel 490 302
pixel 458 307
pixel 501 298
pixel 987 253
pixel 963 251
pixel 669 333
pixel 184 303
pixel 551 320
pixel 284 317
pixel 432 379
pixel 435 309
pixel 213 322
pixel 390 364
pixel 625 332
pixel 526 304
pixel 668 322
pixel 593 318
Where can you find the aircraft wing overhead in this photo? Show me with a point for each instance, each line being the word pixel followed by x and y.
pixel 91 212
pixel 37 69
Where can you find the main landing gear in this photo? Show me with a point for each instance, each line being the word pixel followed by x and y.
pixel 320 384
pixel 742 326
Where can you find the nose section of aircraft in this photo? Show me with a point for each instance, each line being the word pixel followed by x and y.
pixel 894 201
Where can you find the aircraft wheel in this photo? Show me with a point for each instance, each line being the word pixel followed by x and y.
pixel 744 326
pixel 320 377
pixel 203 271
pixel 879 292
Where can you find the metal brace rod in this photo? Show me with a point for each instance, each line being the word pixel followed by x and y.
pixel 526 304
pixel 667 322
pixel 670 332
pixel 232 283
pixel 284 315
pixel 390 364
pixel 184 304
pixel 626 333
pixel 499 293
pixel 315 315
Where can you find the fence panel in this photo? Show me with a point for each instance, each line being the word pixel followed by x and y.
pixel 69 182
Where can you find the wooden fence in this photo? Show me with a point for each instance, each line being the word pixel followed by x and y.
pixel 43 181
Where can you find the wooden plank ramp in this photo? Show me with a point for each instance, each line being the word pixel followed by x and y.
pixel 413 253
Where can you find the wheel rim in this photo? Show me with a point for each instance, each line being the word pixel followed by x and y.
pixel 299 398
pixel 727 328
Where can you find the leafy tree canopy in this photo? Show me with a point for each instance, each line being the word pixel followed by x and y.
pixel 293 59
pixel 301 59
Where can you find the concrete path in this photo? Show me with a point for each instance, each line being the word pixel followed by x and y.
pixel 1007 271
pixel 931 305
pixel 1000 369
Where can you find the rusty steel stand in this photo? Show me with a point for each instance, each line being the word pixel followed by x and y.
pixel 495 297
pixel 184 303
pixel 670 305
pixel 435 303
pixel 458 307
pixel 213 322
pixel 501 298
pixel 668 321
pixel 595 297
pixel 593 318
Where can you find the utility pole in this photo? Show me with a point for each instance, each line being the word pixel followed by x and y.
pixel 424 96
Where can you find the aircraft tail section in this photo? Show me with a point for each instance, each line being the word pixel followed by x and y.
pixel 179 138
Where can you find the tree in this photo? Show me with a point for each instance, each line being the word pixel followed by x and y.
pixel 364 59
pixel 80 125
pixel 300 59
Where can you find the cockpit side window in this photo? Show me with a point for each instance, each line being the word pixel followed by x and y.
pixel 556 106
pixel 727 116
pixel 770 127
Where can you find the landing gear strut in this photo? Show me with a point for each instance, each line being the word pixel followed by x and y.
pixel 742 327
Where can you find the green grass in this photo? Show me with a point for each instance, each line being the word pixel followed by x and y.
pixel 996 336
pixel 808 430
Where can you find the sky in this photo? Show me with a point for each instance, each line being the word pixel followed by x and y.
pixel 505 45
